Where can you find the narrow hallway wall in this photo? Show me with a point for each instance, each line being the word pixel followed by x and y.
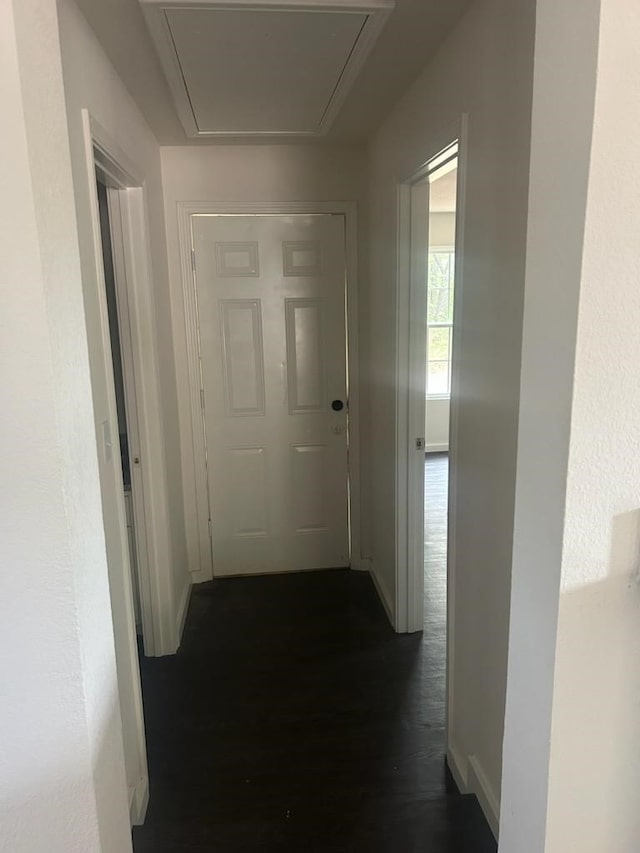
pixel 484 69
pixel 92 83
pixel 62 773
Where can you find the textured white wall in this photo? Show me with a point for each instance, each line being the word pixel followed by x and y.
pixel 91 82
pixel 565 68
pixel 594 775
pixel 484 69
pixel 62 777
pixel 245 173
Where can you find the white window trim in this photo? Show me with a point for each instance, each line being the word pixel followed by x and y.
pixel 431 397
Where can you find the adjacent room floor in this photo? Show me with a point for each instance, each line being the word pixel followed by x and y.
pixel 294 719
pixel 436 492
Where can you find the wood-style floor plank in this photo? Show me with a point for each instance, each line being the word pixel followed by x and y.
pixel 294 719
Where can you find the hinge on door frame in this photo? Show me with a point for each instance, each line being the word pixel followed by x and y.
pixel 202 398
pixel 193 260
pixel 210 531
pixel 420 443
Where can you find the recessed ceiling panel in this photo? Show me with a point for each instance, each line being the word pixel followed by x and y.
pixel 265 68
pixel 273 71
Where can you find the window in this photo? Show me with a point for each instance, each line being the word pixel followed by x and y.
pixel 439 321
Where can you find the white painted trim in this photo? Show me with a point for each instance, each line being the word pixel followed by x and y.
pixel 183 609
pixel 105 156
pixel 310 5
pixel 459 768
pixel 195 487
pixel 131 405
pixel 453 418
pixel 377 12
pixel 470 778
pixel 437 447
pixel 196 493
pixel 100 150
pixel 139 801
pixel 199 577
pixel 403 615
pixel 410 379
pixel 383 593
pixel 478 784
pixel 410 376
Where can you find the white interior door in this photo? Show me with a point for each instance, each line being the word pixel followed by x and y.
pixel 271 306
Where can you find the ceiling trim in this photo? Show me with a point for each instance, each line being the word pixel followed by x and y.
pixel 377 12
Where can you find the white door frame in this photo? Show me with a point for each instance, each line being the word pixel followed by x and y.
pixel 119 214
pixel 195 479
pixel 411 307
pixel 410 397
pixel 132 259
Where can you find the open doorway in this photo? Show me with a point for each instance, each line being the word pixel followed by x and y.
pixel 427 245
pixel 440 287
pixel 119 335
pixel 120 320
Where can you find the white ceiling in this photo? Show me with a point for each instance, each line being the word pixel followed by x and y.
pixel 410 37
pixel 261 70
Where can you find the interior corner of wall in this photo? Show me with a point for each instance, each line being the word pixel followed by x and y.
pixel 478 783
pixel 470 777
pixel 383 593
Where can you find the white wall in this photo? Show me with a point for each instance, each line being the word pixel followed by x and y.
pixel 442 230
pixel 485 70
pixel 245 173
pixel 437 424
pixel 565 69
pixel 91 82
pixel 595 734
pixel 62 778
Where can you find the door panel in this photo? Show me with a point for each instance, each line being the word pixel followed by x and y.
pixel 305 356
pixel 271 306
pixel 242 357
pixel 248 486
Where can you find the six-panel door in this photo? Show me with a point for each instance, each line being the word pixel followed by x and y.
pixel 271 306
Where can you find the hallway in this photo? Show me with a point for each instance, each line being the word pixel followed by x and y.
pixel 294 719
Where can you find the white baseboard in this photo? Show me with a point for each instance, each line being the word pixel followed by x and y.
pixel 480 786
pixel 470 778
pixel 383 594
pixel 138 801
pixel 458 768
pixel 198 576
pixel 361 565
pixel 437 448
pixel 181 616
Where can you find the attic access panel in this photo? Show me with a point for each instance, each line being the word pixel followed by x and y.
pixel 262 67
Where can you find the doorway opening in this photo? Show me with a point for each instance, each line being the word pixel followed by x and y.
pixel 425 312
pixel 119 305
pixel 440 287
pixel 429 305
pixel 119 337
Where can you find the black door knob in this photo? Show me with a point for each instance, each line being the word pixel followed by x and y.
pixel 337 405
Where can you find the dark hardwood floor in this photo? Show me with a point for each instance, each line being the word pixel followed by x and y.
pixel 294 719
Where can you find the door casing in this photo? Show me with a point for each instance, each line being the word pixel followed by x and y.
pixel 412 242
pixel 195 488
pixel 127 208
